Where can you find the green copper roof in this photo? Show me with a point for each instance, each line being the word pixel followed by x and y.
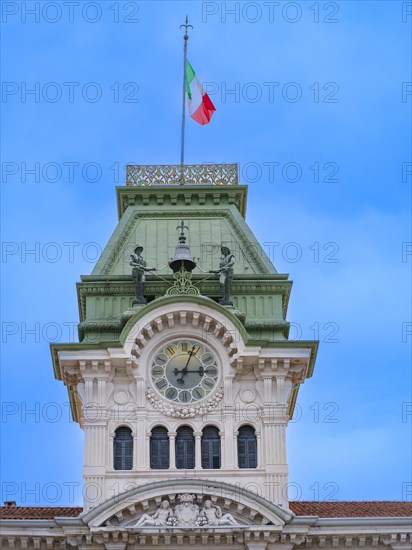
pixel 214 215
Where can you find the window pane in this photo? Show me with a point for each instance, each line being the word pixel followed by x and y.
pixel 210 448
pixel 185 448
pixel 247 447
pixel 123 449
pixel 159 449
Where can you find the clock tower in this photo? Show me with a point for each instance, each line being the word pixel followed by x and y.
pixel 184 379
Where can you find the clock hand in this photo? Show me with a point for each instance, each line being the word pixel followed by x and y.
pixel 184 370
pixel 192 352
pixel 200 371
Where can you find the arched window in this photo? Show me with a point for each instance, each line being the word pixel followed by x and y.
pixel 159 449
pixel 247 447
pixel 123 449
pixel 210 448
pixel 185 448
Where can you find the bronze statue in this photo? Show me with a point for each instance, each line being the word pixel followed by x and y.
pixel 138 274
pixel 226 275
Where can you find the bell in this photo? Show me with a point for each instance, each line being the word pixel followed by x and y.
pixel 182 257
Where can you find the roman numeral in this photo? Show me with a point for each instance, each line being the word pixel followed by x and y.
pixel 161 384
pixel 184 396
pixel 171 393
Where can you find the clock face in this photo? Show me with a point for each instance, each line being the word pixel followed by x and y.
pixel 184 371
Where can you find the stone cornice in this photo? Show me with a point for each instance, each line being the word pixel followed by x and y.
pixel 205 196
pixel 301 532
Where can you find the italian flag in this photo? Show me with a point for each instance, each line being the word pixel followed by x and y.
pixel 201 107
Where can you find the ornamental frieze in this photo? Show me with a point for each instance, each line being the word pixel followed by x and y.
pixel 172 174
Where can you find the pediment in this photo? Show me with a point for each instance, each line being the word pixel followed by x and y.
pixel 186 504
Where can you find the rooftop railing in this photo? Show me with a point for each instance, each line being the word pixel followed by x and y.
pixel 143 175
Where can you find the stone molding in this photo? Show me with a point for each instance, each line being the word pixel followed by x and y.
pixel 293 532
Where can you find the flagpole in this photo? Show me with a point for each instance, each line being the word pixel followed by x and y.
pixel 182 149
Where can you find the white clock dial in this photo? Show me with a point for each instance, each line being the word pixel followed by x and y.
pixel 184 371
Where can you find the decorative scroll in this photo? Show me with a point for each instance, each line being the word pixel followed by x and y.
pixel 182 284
pixel 141 175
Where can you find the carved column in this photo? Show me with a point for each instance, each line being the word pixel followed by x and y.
pixel 259 445
pixel 280 444
pixel 229 443
pixel 267 388
pixel 101 391
pixel 268 449
pixel 222 446
pixel 198 450
pixel 109 453
pixel 236 455
pixel 141 446
pixel 94 444
pixel 172 450
pixel 140 391
pixel 146 450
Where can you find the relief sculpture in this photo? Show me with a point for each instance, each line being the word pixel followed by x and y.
pixel 186 514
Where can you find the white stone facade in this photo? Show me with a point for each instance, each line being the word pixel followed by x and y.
pixel 114 389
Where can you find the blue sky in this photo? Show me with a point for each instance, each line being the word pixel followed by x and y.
pixel 319 122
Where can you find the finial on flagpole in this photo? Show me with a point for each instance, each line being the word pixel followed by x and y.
pixel 186 26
